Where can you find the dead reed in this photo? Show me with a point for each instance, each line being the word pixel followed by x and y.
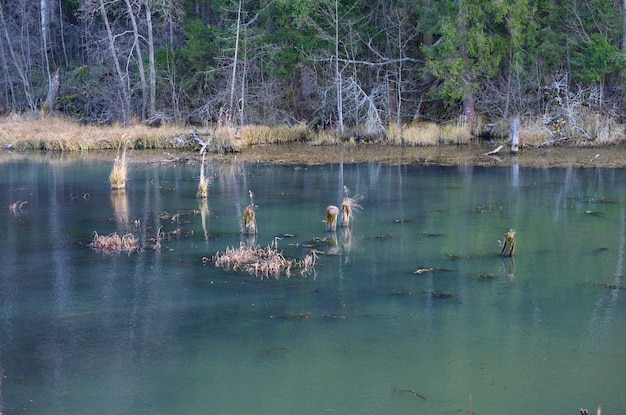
pixel 582 128
pixel 113 243
pixel 349 205
pixel 119 171
pixel 54 133
pixel 16 207
pixel 263 262
pixel 430 133
pixel 203 184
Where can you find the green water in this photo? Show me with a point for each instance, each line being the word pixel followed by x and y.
pixel 161 332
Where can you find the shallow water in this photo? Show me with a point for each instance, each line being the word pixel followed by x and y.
pixel 161 332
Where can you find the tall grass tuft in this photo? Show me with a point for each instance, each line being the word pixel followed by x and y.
pixel 430 133
pixel 119 171
pixel 55 133
pixel 203 184
pixel 349 205
pixel 246 136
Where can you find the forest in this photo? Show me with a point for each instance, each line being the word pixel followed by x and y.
pixel 342 65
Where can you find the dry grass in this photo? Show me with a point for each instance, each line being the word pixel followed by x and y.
pixel 203 184
pixel 114 243
pixel 430 134
pixel 263 262
pixel 584 128
pixel 60 134
pixel 119 171
pixel 349 205
pixel 249 135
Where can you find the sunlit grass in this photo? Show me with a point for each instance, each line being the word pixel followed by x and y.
pixel 430 134
pixel 247 136
pixel 587 129
pixel 52 133
pixel 56 133
pixel 119 170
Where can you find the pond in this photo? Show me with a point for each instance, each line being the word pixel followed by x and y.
pixel 410 310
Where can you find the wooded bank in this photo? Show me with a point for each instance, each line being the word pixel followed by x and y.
pixel 348 68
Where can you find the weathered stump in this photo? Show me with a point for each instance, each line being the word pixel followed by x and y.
pixel 346 213
pixel 331 218
pixel 249 221
pixel 508 247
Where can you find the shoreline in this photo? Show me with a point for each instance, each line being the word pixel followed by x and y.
pixel 307 154
pixel 445 155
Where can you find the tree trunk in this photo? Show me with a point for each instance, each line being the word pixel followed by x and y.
pixel 142 72
pixel 338 73
pixel 53 88
pixel 468 100
pixel 515 135
pixel 21 70
pixel 45 25
pixel 151 64
pixel 234 74
pixel 624 26
pixel 124 89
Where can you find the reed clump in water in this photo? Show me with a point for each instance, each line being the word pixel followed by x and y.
pixel 113 243
pixel 203 184
pixel 263 262
pixel 349 205
pixel 119 171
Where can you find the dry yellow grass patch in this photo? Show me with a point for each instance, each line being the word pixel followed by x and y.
pixel 430 134
pixel 60 134
pixel 586 129
pixel 247 136
pixel 119 170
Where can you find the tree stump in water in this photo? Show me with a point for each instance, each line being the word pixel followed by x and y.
pixel 509 244
pixel 249 221
pixel 331 218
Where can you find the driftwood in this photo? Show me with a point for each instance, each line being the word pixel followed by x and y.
pixel 492 152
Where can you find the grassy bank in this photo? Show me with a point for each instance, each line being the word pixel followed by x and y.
pixel 58 134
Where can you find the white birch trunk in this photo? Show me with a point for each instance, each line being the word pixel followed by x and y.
pixel 515 135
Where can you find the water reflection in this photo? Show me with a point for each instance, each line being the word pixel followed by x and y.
pixel 158 331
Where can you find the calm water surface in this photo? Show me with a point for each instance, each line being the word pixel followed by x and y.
pixel 160 332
